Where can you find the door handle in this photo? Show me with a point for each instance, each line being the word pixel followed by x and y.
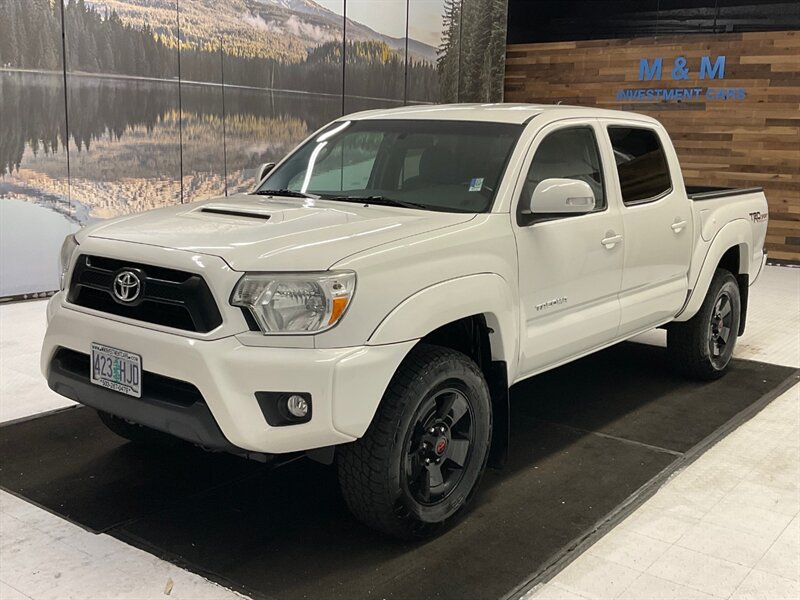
pixel 611 240
pixel 678 226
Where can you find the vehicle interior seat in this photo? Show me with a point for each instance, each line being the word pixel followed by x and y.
pixel 437 166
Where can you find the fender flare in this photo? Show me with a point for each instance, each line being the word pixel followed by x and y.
pixel 737 233
pixel 442 303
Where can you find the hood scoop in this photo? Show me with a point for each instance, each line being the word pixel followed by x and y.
pixel 236 211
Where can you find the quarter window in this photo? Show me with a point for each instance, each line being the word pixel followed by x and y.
pixel 569 153
pixel 641 164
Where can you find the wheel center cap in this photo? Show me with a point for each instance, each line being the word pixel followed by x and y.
pixel 441 446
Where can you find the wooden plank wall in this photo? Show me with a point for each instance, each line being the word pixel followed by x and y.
pixel 731 143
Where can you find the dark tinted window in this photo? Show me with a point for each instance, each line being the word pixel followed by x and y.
pixel 569 153
pixel 641 164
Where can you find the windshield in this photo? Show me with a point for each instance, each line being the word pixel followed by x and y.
pixel 436 165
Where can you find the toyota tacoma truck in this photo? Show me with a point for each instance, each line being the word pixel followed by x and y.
pixel 372 300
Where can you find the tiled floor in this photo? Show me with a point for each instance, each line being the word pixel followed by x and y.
pixel 44 556
pixel 726 527
pixel 23 390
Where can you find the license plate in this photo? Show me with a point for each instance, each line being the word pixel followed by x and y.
pixel 116 370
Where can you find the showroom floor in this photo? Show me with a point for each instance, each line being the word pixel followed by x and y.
pixel 726 526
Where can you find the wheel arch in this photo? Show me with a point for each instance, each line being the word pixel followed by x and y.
pixel 474 315
pixel 485 294
pixel 730 250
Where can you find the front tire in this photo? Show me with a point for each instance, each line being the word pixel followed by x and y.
pixel 421 459
pixel 702 347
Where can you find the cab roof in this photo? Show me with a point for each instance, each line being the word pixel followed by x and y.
pixel 495 113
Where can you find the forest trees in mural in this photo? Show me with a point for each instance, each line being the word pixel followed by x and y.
pixel 483 50
pixel 449 52
pixel 471 57
pixel 100 42
pixel 30 34
pixel 468 63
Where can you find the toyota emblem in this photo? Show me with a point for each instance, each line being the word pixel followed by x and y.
pixel 127 286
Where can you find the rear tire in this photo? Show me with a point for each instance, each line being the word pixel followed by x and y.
pixel 420 461
pixel 135 433
pixel 701 348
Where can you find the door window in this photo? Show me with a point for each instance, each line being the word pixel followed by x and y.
pixel 641 164
pixel 569 153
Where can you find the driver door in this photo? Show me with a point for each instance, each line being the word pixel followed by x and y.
pixel 570 267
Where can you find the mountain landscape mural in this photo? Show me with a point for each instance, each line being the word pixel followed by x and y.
pixel 146 103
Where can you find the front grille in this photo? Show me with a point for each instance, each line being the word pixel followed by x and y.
pixel 158 387
pixel 169 297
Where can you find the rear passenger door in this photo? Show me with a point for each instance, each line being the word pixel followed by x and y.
pixel 657 223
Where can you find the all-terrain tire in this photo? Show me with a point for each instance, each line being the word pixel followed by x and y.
pixel 701 348
pixel 384 477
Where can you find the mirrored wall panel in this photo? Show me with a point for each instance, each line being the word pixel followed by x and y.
pixel 35 210
pixel 149 103
pixel 123 105
pixel 433 36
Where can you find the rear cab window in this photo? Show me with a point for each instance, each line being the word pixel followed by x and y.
pixel 641 164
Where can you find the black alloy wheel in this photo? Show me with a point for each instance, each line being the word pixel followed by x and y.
pixel 438 446
pixel 719 329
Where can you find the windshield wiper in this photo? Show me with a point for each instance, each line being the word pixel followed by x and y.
pixel 379 200
pixel 287 193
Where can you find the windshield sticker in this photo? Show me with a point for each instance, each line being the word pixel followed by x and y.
pixel 475 184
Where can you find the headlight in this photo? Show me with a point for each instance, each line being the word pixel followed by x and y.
pixel 65 257
pixel 296 302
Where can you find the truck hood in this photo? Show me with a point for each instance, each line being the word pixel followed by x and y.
pixel 264 233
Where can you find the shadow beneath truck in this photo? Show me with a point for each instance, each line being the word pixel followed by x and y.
pixel 585 439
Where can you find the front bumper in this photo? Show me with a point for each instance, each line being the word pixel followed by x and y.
pixel 346 384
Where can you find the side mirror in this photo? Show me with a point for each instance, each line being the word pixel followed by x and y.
pixel 562 197
pixel 264 170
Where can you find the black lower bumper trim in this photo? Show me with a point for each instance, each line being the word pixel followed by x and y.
pixel 168 405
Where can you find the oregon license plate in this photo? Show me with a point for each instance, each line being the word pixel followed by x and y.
pixel 116 370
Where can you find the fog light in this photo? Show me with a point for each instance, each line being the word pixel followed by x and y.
pixel 297 406
pixel 285 408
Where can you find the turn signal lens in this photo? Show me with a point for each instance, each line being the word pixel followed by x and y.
pixel 339 306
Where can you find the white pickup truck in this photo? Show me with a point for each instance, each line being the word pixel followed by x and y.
pixel 373 299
